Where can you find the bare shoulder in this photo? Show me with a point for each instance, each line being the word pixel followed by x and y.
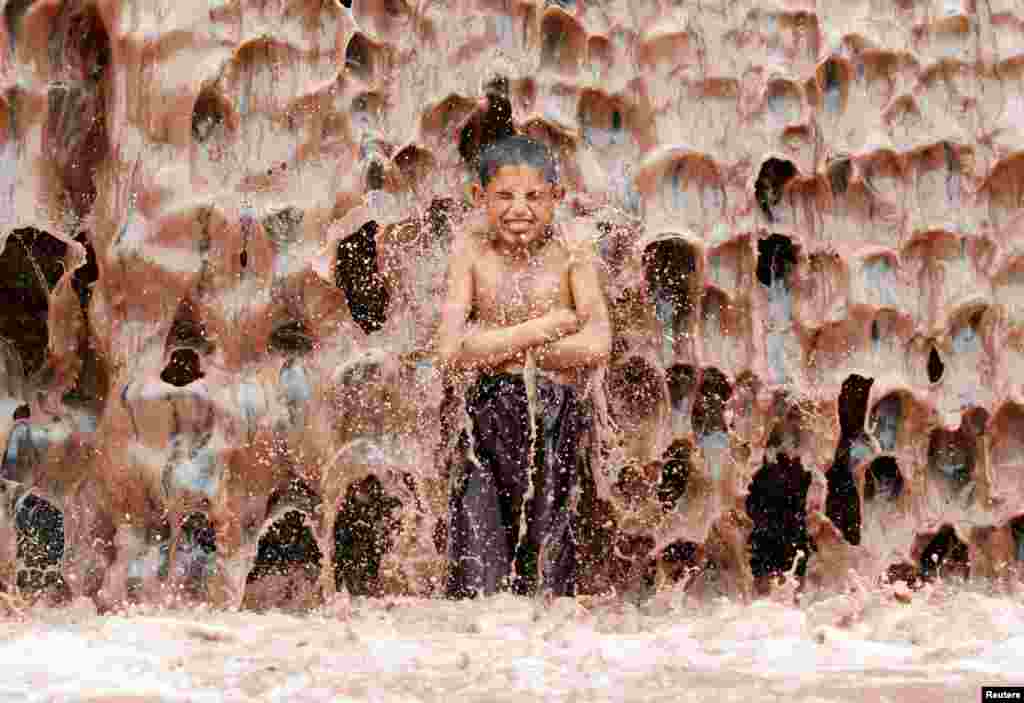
pixel 468 245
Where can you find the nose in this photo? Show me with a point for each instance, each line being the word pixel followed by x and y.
pixel 519 204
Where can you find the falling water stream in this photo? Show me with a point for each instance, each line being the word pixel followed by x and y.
pixel 224 231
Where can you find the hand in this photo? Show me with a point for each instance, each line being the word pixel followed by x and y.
pixel 561 322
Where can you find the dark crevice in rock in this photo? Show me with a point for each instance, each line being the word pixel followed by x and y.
pixel 40 528
pixel 498 85
pixel 709 408
pixel 935 366
pixel 183 368
pixel 682 557
pixel 367 526
pixel 85 276
pixel 26 449
pixel 839 175
pixel 682 378
pixel 560 42
pixel 974 422
pixel 358 275
pixel 842 505
pixel 359 57
pixel 291 338
pixel 715 311
pixel 1017 532
pixel 886 421
pixel 776 505
pixel 832 85
pixel 883 480
pixel 414 164
pixel 209 115
pixel 670 268
pixel 776 258
pixel 288 543
pixel 31 264
pixel 601 119
pixel 853 404
pixel 953 170
pixel 675 474
pixel 787 426
pixel 636 389
pixel 375 176
pixel 951 458
pixel 945 555
pixel 365 115
pixel 45 253
pixel 770 184
pixel 196 529
pixel 186 340
pixel 632 484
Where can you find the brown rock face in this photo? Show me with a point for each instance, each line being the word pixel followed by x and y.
pixel 224 230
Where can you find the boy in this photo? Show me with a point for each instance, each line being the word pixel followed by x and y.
pixel 540 322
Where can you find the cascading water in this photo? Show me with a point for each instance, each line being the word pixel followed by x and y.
pixel 224 230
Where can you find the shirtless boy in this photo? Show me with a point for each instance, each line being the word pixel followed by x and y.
pixel 525 310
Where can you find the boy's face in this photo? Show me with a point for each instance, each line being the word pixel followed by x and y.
pixel 519 204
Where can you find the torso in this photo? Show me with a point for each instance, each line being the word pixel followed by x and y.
pixel 507 292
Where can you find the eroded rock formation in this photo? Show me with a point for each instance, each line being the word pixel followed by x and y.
pixel 225 225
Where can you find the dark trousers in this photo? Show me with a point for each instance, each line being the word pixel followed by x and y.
pixel 492 497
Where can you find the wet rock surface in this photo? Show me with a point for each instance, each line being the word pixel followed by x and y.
pixel 224 234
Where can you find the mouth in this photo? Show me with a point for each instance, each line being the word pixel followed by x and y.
pixel 518 224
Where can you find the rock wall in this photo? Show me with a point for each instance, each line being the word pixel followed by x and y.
pixel 225 227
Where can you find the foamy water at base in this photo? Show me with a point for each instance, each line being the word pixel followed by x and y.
pixel 933 645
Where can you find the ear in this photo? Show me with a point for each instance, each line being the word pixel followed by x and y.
pixel 557 192
pixel 477 193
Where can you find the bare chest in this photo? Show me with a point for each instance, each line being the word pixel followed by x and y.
pixel 509 294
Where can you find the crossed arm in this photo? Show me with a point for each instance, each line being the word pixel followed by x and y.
pixel 561 339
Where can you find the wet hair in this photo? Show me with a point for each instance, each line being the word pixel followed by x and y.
pixel 517 151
